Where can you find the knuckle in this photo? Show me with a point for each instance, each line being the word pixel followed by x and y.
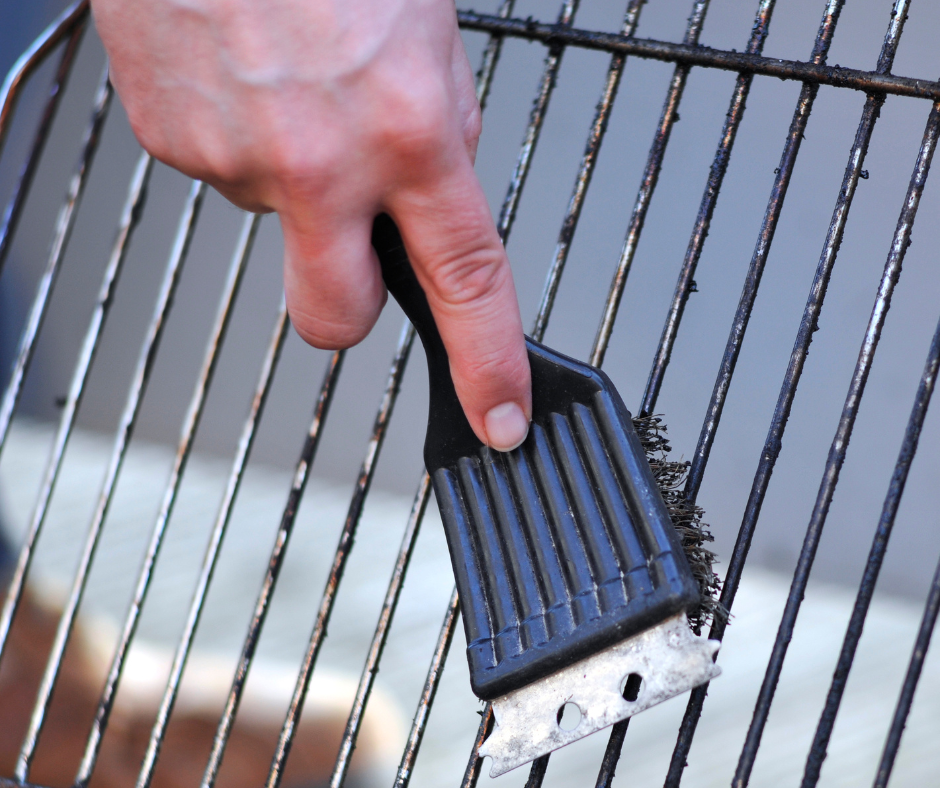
pixel 416 122
pixel 296 164
pixel 473 276
pixel 221 164
pixel 493 364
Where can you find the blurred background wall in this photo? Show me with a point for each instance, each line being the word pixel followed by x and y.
pixel 596 249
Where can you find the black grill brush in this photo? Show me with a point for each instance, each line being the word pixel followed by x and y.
pixel 578 582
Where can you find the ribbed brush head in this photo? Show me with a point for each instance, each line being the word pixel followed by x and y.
pixel 564 545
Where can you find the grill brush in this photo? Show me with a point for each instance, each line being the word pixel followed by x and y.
pixel 574 583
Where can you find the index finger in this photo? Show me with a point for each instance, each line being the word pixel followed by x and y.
pixel 461 263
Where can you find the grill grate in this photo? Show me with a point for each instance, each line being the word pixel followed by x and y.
pixel 64 36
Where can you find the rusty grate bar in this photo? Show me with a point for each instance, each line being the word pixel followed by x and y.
pixel 420 723
pixel 363 483
pixel 129 220
pixel 64 226
pixel 275 562
pixel 245 443
pixel 765 238
pixel 494 47
pixel 866 590
pixel 190 424
pixel 716 177
pixel 68 23
pixel 592 149
pixel 122 440
pixel 742 62
pixel 916 664
pixel 840 442
pixel 507 213
pixel 381 633
pixel 11 216
pixel 808 323
pixel 654 165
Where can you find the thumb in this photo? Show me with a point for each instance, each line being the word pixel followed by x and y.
pixel 462 266
pixel 332 281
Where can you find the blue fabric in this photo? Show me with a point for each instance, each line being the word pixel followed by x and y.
pixel 7 556
pixel 23 20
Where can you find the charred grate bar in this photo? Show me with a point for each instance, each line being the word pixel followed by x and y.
pixel 509 620
pixel 559 35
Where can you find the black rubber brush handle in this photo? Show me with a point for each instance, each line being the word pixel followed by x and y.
pixel 448 428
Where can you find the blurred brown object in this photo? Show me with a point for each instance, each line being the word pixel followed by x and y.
pixel 189 735
pixel 73 707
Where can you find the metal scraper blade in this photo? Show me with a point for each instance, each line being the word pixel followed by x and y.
pixel 607 687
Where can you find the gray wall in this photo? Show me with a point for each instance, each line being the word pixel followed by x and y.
pixel 596 249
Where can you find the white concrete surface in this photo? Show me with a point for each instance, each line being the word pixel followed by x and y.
pixel 860 729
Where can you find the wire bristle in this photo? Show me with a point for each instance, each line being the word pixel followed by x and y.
pixel 687 519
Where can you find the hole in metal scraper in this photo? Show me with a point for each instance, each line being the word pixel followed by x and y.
pixel 630 689
pixel 569 717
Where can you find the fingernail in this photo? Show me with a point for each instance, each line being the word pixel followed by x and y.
pixel 506 426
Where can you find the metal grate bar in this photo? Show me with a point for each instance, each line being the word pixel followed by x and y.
pixel 716 176
pixel 494 47
pixel 423 713
pixel 876 555
pixel 125 431
pixel 371 668
pixel 504 225
pixel 916 664
pixel 742 62
pixel 65 222
pixel 63 25
pixel 588 161
pixel 14 209
pixel 484 79
pixel 249 431
pixel 275 562
pixel 506 217
pixel 804 338
pixel 318 635
pixel 547 86
pixel 618 734
pixel 778 194
pixel 190 424
pixel 129 219
pixel 537 772
pixel 605 330
pixel 840 444
pixel 475 764
pixel 644 196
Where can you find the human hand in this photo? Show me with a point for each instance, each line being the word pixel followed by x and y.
pixel 330 112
